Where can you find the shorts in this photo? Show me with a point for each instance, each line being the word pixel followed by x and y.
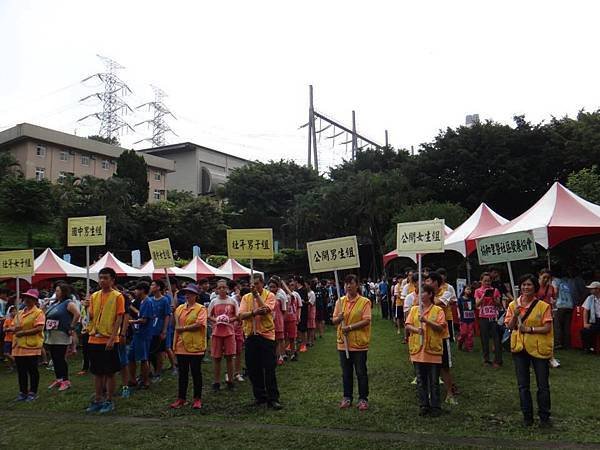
pixel 102 361
pixel 279 335
pixel 123 351
pixel 321 314
pixel 311 324
pixel 157 345
pixel 222 345
pixel 291 332
pixel 139 349
pixel 239 343
pixel 7 348
pixel 169 338
pixel 399 314
pixel 446 355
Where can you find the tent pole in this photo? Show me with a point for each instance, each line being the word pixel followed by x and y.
pixel 548 259
pixel 512 280
pixel 87 270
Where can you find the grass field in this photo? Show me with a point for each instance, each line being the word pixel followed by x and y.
pixel 487 416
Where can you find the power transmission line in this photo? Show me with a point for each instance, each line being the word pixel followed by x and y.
pixel 158 123
pixel 113 105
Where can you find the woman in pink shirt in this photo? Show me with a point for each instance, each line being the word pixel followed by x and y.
pixel 234 293
pixel 489 301
pixel 222 314
pixel 278 315
pixel 291 317
pixel 312 312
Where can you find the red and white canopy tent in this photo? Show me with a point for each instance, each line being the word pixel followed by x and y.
pixel 462 239
pixel 556 217
pixel 388 257
pixel 234 270
pixel 48 265
pixel 148 270
pixel 110 260
pixel 200 269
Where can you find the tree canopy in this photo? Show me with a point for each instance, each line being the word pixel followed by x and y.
pixel 132 167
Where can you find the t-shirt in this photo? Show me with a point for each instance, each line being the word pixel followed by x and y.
pixel 546 293
pixel 161 308
pixel 409 301
pixel 224 311
pixel 383 288
pixel 488 309
pixel 8 335
pixel 466 309
pixel 120 310
pixel 592 304
pixel 320 297
pixel 565 298
pixel 292 307
pixel 143 330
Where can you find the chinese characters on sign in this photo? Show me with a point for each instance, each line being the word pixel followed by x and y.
pixel 255 243
pixel 16 263
pixel 333 254
pixel 161 253
pixel 84 231
pixel 508 247
pixel 421 237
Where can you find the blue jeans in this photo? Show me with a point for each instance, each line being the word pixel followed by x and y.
pixel 356 363
pixel 541 367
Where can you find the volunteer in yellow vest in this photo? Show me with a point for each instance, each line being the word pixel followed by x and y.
pixel 397 297
pixel 409 286
pixel 256 311
pixel 189 345
pixel 352 315
pixel 106 310
pixel 428 328
pixel 531 344
pixel 443 298
pixel 27 345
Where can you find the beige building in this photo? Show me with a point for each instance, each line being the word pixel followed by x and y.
pixel 200 170
pixel 49 154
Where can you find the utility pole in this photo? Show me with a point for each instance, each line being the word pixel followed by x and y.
pixel 158 123
pixel 354 140
pixel 387 144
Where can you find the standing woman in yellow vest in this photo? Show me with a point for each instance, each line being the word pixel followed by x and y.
pixel 428 328
pixel 531 344
pixel 352 315
pixel 189 345
pixel 27 345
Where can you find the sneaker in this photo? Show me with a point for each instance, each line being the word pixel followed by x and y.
pixel 226 378
pixel 94 407
pixel 275 405
pixel 414 381
pixel 554 363
pixel 451 400
pixel 441 381
pixel 155 379
pixel 280 361
pixel 82 373
pixel 32 396
pixel 125 392
pixel 216 387
pixel 21 397
pixel 363 405
pixel 64 385
pixel 107 407
pixel 288 348
pixel 398 331
pixel 177 404
pixel 345 403
pixel 55 383
pixel 197 404
pixel 238 377
pixel 294 357
pixel 303 348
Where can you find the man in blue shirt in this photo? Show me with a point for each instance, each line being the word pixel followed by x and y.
pixel 141 325
pixel 383 291
pixel 161 305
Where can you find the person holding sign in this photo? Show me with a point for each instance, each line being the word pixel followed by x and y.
pixel 107 308
pixel 428 328
pixel 256 310
pixel 189 345
pixel 352 315
pixel 489 301
pixel 531 344
pixel 27 345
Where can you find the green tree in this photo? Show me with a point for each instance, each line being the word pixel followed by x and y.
pixel 131 166
pixel 26 203
pixel 199 221
pixel 586 184
pixel 111 141
pixel 9 165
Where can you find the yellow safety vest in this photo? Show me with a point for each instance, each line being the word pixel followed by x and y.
pixel 265 323
pixel 26 321
pixel 432 340
pixel 194 341
pixel 447 309
pixel 357 339
pixel 537 345
pixel 103 320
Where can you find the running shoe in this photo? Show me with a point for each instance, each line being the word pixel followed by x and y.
pixel 363 405
pixel 554 363
pixel 238 377
pixel 64 385
pixel 414 381
pixel 177 404
pixel 107 407
pixel 32 396
pixel 55 383
pixel 280 361
pixel 303 348
pixel 21 397
pixel 197 404
pixel 345 403
pixel 94 407
pixel 125 392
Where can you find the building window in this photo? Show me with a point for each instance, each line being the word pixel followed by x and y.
pixel 64 156
pixel 157 176
pixel 105 164
pixel 40 173
pixel 62 176
pixel 40 150
pixel 157 194
pixel 85 160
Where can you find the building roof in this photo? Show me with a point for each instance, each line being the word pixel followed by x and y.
pixel 24 131
pixel 186 147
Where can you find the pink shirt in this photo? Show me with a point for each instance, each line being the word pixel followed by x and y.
pixel 224 311
pixel 487 308
pixel 292 307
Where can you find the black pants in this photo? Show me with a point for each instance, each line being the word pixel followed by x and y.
pixel 260 366
pixel 356 363
pixel 86 351
pixel 58 354
pixel 541 367
pixel 488 329
pixel 563 327
pixel 187 363
pixel 385 310
pixel 588 334
pixel 428 385
pixel 27 371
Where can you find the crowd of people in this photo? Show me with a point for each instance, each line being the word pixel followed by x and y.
pixel 142 325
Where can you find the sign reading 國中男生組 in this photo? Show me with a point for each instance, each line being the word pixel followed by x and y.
pixel 420 237
pixel 507 247
pixel 250 243
pixel 161 253
pixel 84 231
pixel 16 263
pixel 333 254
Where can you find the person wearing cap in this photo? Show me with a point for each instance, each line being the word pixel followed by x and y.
pixel 591 317
pixel 189 345
pixel 27 345
pixel 256 310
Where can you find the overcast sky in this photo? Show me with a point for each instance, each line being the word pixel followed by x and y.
pixel 237 73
